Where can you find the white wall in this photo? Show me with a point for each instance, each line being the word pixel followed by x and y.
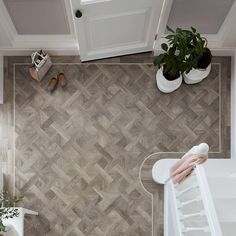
pixel 6 31
pixel 4 40
pixel 62 40
pixel 206 16
pixel 228 29
pixel 1 79
pixel 38 16
pixel 222 42
pixel 11 42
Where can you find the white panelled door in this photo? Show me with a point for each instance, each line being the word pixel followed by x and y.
pixel 108 28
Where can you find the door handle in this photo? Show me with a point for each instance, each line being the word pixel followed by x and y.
pixel 78 14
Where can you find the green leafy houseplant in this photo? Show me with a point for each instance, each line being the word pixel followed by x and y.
pixel 184 50
pixel 170 61
pixel 6 210
pixel 192 46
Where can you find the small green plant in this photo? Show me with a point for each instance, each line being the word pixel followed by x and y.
pixel 6 210
pixel 190 45
pixel 170 61
pixel 184 50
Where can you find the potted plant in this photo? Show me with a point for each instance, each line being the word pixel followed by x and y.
pixel 7 209
pixel 197 57
pixel 170 68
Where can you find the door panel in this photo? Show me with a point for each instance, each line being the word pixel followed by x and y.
pixel 124 22
pixel 116 27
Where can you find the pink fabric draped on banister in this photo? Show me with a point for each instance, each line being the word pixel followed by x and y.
pixel 185 166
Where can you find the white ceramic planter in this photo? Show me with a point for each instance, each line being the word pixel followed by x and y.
pixel 167 86
pixel 195 76
pixel 8 232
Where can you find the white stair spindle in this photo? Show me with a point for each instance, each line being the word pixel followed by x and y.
pixel 192 229
pixel 187 216
pixel 182 204
pixel 180 193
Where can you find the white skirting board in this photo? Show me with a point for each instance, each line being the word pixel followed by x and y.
pixel 1 79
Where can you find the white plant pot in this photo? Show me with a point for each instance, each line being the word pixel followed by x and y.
pixel 11 231
pixel 195 76
pixel 167 86
pixel 8 232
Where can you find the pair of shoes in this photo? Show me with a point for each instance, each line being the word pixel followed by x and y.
pixel 52 85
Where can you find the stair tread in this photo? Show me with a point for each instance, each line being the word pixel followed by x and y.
pixel 222 187
pixel 228 228
pixel 224 209
pixel 220 167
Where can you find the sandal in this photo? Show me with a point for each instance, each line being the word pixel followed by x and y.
pixel 52 85
pixel 62 80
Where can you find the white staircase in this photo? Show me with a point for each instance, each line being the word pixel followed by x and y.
pixel 221 176
pixel 205 203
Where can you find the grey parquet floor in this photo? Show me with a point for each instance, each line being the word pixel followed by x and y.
pixel 79 151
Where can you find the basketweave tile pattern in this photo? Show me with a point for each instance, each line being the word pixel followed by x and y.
pixel 79 151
